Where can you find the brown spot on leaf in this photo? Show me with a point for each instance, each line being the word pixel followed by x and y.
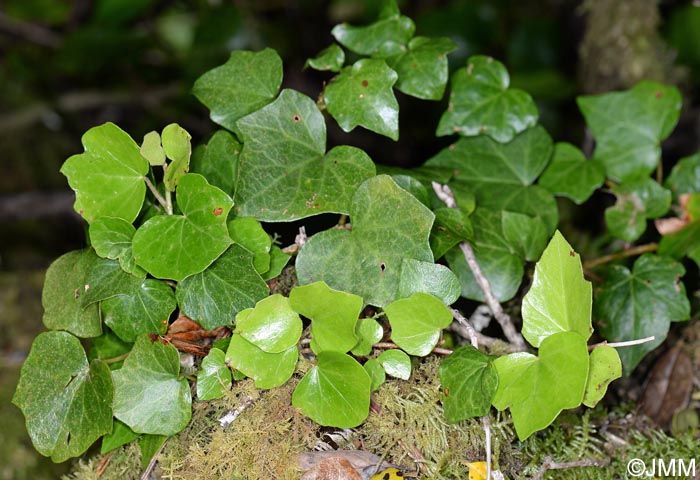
pixel 414 65
pixel 218 211
pixel 365 83
pixel 446 391
pixel 659 94
pixel 572 253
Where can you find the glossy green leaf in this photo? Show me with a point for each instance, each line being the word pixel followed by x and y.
pixel 152 150
pixel 217 160
pixel 247 232
pixel 422 68
pixel 640 303
pixel 335 392
pixel 526 235
pixel 64 287
pixel 685 176
pixel 245 83
pixel 559 299
pixel 370 332
pixel 214 376
pixel 361 95
pixel 278 260
pixel 333 314
pixel 388 225
pixel 108 346
pixel 428 277
pixel 149 395
pixel 376 373
pixel 283 174
pixel 636 202
pixel 629 126
pixel 268 370
pixel 604 367
pixel 413 186
pixel 66 400
pixel 121 435
pixel 213 297
pixel 330 58
pixel 395 363
pixel 469 383
pixel 537 388
pixel 176 246
pixel 682 243
pixel 111 238
pixel 108 176
pixel 481 103
pixel 452 226
pixel 417 321
pixel 177 147
pixel 150 446
pixel 272 326
pixel 385 36
pixel 571 175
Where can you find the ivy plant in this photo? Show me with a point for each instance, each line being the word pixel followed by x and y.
pixel 178 234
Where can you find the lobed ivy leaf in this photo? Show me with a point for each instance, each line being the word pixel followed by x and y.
pixel 388 226
pixel 149 395
pixel 684 176
pixel 330 58
pixel 604 367
pixel 559 299
pixel 377 375
pixel 177 147
pixel 283 173
pixel 569 174
pixel 111 238
pixel 268 370
pixel 452 226
pixel 247 232
pixel 217 160
pixel 214 376
pixel 176 246
pixel 417 321
pixel 361 95
pixel 370 332
pixel 395 363
pixel 629 126
pixel 108 177
pixel 335 392
pixel 637 201
pixel 66 400
pixel 428 277
pixel 526 235
pixel 273 326
pixel 640 303
pixel 245 83
pixel 469 382
pixel 481 103
pixel 152 150
pixel 537 388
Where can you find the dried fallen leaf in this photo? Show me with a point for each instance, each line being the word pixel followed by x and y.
pixel 668 386
pixel 332 468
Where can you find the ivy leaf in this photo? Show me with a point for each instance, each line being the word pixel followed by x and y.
pixel 283 174
pixel 330 58
pixel 335 392
pixel 629 126
pixel 370 332
pixel 177 146
pixel 388 34
pixel 416 322
pixel 217 160
pixel 176 246
pixel 395 363
pixel 361 95
pixel 65 400
pixel 537 388
pixel 245 83
pixel 149 395
pixel 684 176
pixel 482 104
pixel 469 382
pixel 559 299
pixel 682 243
pixel 334 315
pixel 108 346
pixel 64 287
pixel 452 226
pixel 427 277
pixel 278 260
pixel 526 235
pixel 213 297
pixel 604 367
pixel 214 376
pixel 111 238
pixel 150 445
pixel 388 226
pixel 376 373
pixel 571 175
pixel 121 435
pixel 108 176
pixel 641 303
pixel 422 69
pixel 247 232
pixel 152 150
pixel 268 370
pixel 636 202
pixel 272 326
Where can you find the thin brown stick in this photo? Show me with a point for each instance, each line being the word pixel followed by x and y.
pixel 549 464
pixel 156 193
pixel 638 250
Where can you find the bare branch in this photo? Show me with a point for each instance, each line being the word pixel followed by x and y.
pixel 549 464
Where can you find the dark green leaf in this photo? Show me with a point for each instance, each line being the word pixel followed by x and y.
pixel 571 175
pixel 385 36
pixel 268 370
pixel 150 446
pixel 422 68
pixel 685 176
pixel 217 160
pixel 213 377
pixel 452 225
pixel 247 232
pixel 111 238
pixel 636 202
pixel 526 235
pixel 121 435
pixel 682 243
pixel 278 260
pixel 330 58
pixel 108 346
pixel 414 187
pixel 416 322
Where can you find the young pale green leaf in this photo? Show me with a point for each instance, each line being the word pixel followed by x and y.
pixel 111 238
pixel 559 299
pixel 176 246
pixel 422 68
pixel 213 377
pixel 537 388
pixel 388 225
pixel 384 37
pixel 416 322
pixel 150 445
pixel 571 175
pixel 469 382
pixel 370 332
pixel 108 176
pixel 395 363
pixel 335 392
pixel 361 95
pixel 152 150
pixel 330 58
pixel 245 83
pixel 376 373
pixel 64 287
pixel 121 435
pixel 641 303
pixel 149 395
pixel 65 400
pixel 428 277
pixel 273 326
pixel 629 126
pixel 604 367
pixel 685 176
pixel 217 160
pixel 177 146
pixel 481 103
pixel 283 174
pixel 268 370
pixel 247 232
pixel 636 202
pixel 213 297
pixel 334 315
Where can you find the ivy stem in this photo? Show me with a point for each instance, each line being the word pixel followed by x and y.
pixel 638 250
pixel 391 346
pixel 156 193
pixel 116 359
pixel 168 194
pixel 628 343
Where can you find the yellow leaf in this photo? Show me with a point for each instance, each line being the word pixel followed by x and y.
pixel 477 470
pixel 388 474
